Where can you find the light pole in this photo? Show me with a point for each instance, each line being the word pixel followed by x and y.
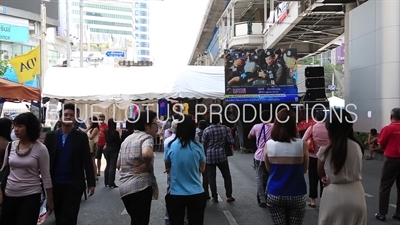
pixel 43 43
pixel 81 32
pixel 68 34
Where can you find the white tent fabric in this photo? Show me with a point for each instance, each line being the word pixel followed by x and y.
pixel 133 83
pixel 122 85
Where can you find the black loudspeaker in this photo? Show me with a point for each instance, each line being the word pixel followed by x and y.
pixel 315 84
pixel 315 87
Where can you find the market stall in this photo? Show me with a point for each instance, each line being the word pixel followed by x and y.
pixel 114 89
pixel 13 91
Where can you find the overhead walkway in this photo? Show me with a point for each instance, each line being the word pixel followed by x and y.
pixel 311 28
pixel 213 12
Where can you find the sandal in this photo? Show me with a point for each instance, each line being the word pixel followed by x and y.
pixel 312 205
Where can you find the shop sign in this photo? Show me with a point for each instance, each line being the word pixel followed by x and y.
pixel 13 33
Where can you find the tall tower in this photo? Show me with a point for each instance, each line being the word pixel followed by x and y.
pixel 142 31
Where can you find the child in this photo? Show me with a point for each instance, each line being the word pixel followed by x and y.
pixel 372 143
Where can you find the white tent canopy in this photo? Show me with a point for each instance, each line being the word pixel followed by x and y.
pixel 122 85
pixel 133 83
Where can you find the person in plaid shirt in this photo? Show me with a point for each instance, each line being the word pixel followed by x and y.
pixel 214 139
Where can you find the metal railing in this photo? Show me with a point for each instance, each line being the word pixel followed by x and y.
pixel 246 28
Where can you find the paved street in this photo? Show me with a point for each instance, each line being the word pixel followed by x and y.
pixel 106 208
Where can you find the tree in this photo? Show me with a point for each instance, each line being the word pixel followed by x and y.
pixel 3 67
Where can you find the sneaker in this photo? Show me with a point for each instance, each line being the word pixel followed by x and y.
pixel 263 205
pixel 396 216
pixel 230 199
pixel 380 217
pixel 369 158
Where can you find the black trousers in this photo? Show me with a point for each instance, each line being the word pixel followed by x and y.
pixel 314 179
pixel 390 174
pixel 138 206
pixel 212 178
pixel 205 183
pixel 111 167
pixel 194 205
pixel 67 202
pixel 20 210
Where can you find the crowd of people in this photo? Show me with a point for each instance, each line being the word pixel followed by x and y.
pixel 64 166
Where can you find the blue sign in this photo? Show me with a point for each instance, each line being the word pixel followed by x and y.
pixel 3 10
pixel 115 54
pixel 13 33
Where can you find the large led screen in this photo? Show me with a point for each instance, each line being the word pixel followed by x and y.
pixel 261 76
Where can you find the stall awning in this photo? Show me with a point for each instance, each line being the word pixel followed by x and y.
pixel 13 91
pixel 134 83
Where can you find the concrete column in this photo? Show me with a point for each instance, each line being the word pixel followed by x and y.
pixel 271 6
pixel 348 8
pixel 233 15
pixel 265 12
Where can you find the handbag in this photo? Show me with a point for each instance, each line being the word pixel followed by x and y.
pixel 228 146
pixel 310 140
pixel 5 170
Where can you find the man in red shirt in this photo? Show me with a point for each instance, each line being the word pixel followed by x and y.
pixel 389 141
pixel 101 142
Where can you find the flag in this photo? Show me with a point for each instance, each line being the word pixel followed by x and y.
pixel 27 66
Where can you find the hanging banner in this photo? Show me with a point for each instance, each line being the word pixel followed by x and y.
pixel 27 66
pixel 261 76
pixel 163 107
pixel 2 100
pixel 35 108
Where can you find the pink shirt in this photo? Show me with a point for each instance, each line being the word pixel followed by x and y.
pixel 319 135
pixel 24 177
pixel 261 139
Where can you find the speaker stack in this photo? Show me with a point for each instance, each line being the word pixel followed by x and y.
pixel 315 88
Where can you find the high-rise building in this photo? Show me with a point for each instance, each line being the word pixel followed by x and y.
pixel 142 30
pixel 113 25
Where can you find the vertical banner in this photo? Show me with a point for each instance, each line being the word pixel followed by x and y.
pixel 2 101
pixel 163 108
pixel 35 108
pixel 340 53
pixel 261 76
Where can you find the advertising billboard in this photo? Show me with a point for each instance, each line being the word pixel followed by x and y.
pixel 11 7
pixel 261 76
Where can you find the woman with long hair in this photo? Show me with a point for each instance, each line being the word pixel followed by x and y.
pixel 111 151
pixel 318 135
pixel 339 166
pixel 286 160
pixel 5 138
pixel 130 128
pixel 29 171
pixel 93 136
pixel 138 184
pixel 185 160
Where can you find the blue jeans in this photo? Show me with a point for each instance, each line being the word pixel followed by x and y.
pixel 261 178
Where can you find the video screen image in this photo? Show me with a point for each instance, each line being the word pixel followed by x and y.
pixel 261 76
